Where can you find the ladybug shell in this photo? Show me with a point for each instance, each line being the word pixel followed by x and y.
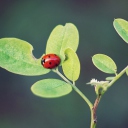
pixel 50 61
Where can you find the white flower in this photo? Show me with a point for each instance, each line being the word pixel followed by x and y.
pixel 96 82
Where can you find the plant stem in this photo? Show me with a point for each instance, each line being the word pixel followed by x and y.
pixel 81 94
pixel 76 89
pixel 117 77
pixel 93 108
pixel 93 112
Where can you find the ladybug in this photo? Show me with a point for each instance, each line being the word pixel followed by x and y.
pixel 50 61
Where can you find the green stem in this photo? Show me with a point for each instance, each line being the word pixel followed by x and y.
pixel 76 89
pixel 92 107
pixel 93 124
pixel 80 93
pixel 93 111
pixel 83 96
pixel 117 77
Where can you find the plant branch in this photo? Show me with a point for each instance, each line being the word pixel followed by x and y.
pixel 94 109
pixel 93 112
pixel 117 77
pixel 76 89
pixel 80 93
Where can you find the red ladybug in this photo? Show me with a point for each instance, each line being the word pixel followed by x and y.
pixel 50 61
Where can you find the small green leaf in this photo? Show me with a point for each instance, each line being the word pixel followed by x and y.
pixel 104 63
pixel 61 38
pixel 71 66
pixel 110 78
pixel 16 56
pixel 51 88
pixel 121 26
pixel 127 71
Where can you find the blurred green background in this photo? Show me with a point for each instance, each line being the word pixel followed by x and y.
pixel 32 21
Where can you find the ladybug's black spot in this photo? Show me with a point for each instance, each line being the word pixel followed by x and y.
pixel 55 54
pixel 50 63
pixel 49 56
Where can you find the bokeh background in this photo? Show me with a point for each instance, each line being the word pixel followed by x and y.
pixel 32 21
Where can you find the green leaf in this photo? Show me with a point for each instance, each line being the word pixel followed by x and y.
pixel 16 56
pixel 121 26
pixel 61 38
pixel 110 78
pixel 104 63
pixel 127 71
pixel 71 66
pixel 51 88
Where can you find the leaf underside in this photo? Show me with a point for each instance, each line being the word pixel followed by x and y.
pixel 104 63
pixel 121 26
pixel 51 88
pixel 16 56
